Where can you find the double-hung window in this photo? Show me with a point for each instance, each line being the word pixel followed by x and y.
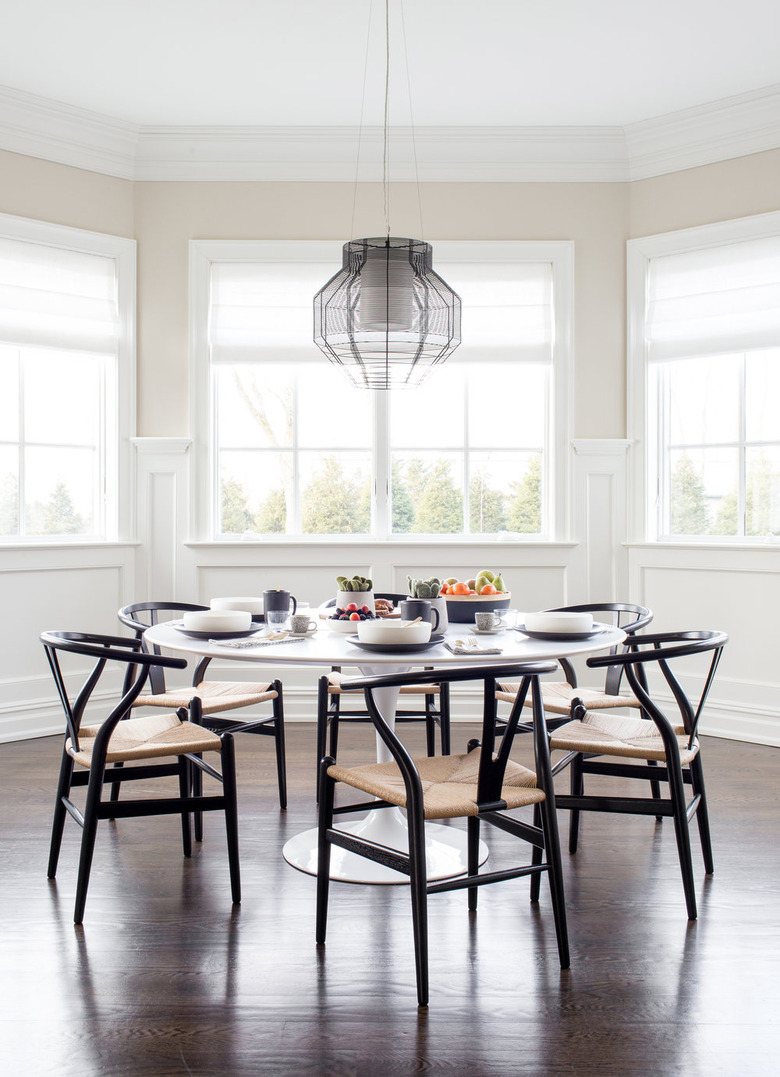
pixel 291 448
pixel 67 381
pixel 704 308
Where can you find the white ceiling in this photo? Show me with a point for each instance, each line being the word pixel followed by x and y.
pixel 471 62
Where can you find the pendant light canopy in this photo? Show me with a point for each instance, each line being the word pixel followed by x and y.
pixel 386 317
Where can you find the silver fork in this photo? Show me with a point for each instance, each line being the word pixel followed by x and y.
pixel 473 641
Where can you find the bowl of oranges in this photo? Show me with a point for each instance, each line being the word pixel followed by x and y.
pixel 481 594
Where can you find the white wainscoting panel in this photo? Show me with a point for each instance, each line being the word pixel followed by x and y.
pixel 75 588
pixel 162 513
pixel 600 520
pixel 738 591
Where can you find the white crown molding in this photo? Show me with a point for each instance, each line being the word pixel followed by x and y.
pixel 736 126
pixel 39 127
pixel 718 131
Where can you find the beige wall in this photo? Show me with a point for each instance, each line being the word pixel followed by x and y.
pixel 599 217
pixel 594 215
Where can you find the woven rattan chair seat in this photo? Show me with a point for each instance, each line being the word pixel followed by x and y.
pixel 146 738
pixel 558 696
pixel 449 784
pixel 612 734
pixel 335 678
pixel 214 696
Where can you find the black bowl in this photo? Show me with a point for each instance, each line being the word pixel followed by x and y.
pixel 461 608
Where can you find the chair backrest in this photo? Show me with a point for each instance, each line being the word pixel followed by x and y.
pixel 139 616
pixel 492 764
pixel 627 616
pixel 662 648
pixel 104 649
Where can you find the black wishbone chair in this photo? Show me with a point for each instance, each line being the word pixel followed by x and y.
pixel 668 747
pixel 561 697
pixel 207 701
pixel 433 709
pixel 158 746
pixel 482 786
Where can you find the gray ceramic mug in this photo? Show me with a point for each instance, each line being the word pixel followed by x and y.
pixel 420 607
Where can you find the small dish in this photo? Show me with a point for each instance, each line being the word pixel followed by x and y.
pixel 564 637
pixel 484 631
pixel 397 648
pixel 215 635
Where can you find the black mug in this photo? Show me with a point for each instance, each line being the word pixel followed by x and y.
pixel 279 600
pixel 420 607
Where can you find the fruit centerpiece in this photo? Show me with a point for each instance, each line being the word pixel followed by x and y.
pixel 354 603
pixel 482 593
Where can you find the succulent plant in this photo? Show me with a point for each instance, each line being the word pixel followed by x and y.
pixel 357 583
pixel 424 588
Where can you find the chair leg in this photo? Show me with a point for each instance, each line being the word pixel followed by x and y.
pixel 58 823
pixel 552 847
pixel 185 779
pixel 473 825
pixel 577 787
pixel 430 726
pixel 231 813
pixel 655 788
pixel 702 815
pixel 682 834
pixel 88 835
pixel 444 717
pixel 281 763
pixel 322 728
pixel 418 887
pixel 536 858
pixel 327 788
pixel 196 716
pixel 115 785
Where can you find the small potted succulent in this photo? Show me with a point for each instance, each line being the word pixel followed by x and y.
pixel 430 589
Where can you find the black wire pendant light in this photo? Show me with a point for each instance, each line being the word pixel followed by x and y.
pixel 386 318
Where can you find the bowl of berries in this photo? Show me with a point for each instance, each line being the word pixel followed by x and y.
pixel 346 618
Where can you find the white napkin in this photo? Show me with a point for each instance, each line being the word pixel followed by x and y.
pixel 465 649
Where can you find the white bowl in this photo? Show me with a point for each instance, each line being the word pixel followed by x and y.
pixel 254 605
pixel 550 621
pixel 218 620
pixel 393 631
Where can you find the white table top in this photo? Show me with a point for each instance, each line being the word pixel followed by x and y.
pixel 325 648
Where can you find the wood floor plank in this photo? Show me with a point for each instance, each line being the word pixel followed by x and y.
pixel 166 977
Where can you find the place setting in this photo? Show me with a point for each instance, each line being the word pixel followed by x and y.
pixel 555 625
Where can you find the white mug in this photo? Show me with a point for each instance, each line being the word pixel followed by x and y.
pixel 302 625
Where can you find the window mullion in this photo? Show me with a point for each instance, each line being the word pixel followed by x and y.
pixel 380 452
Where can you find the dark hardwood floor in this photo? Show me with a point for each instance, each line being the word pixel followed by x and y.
pixel 166 977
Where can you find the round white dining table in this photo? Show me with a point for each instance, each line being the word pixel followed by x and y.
pixel 445 845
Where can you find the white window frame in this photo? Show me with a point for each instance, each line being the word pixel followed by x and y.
pixel 118 474
pixel 645 483
pixel 559 253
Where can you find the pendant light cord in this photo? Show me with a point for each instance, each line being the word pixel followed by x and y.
pixel 411 122
pixel 385 147
pixel 360 126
